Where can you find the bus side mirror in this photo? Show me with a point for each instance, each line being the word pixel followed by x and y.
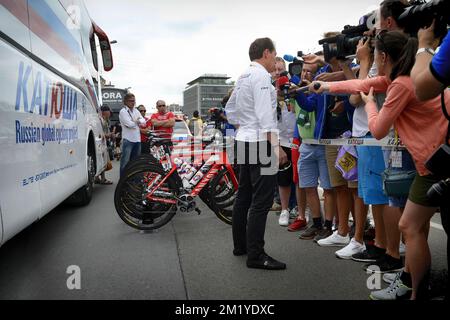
pixel 105 47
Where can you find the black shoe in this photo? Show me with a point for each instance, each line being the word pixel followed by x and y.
pixel 266 262
pixel 323 234
pixel 239 252
pixel 310 233
pixel 371 254
pixel 385 264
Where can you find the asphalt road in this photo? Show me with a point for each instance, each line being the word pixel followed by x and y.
pixel 190 258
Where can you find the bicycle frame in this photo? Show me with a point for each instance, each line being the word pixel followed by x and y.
pixel 210 174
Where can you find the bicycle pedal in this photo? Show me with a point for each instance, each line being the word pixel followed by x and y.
pixel 198 211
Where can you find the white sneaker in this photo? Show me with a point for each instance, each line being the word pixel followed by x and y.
pixel 397 290
pixel 390 277
pixel 284 218
pixel 402 249
pixel 352 248
pixel 335 240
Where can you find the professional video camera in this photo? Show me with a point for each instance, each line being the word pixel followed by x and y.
pixel 421 14
pixel 343 46
pixel 296 65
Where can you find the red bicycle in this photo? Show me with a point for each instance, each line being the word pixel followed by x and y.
pixel 152 189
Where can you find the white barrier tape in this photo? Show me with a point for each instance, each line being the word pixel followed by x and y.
pixel 386 142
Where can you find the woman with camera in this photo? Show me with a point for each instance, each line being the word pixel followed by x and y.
pixel 422 128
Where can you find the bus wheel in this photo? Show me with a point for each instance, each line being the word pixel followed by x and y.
pixel 83 196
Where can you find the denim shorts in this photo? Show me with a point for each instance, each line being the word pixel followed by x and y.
pixel 407 165
pixel 370 167
pixel 312 166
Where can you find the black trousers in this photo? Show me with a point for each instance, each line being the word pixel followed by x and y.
pixel 254 199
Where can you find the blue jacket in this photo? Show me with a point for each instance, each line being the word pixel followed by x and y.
pixel 319 103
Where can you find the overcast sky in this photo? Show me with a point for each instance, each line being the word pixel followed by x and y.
pixel 163 45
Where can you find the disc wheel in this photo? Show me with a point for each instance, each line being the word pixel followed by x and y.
pixel 222 196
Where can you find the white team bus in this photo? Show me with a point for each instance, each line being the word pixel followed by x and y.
pixel 51 139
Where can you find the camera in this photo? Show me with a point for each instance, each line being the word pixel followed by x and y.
pixel 421 15
pixel 296 66
pixel 343 46
pixel 439 192
pixel 438 164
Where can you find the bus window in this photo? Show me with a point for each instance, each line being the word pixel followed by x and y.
pixel 14 18
pixel 54 39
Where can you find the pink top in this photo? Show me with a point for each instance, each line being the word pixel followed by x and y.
pixel 421 126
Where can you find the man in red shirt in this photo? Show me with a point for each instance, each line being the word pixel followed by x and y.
pixel 163 121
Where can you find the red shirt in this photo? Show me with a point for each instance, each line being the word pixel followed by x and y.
pixel 163 117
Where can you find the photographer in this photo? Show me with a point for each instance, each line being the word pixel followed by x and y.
pixel 422 128
pixel 431 75
pixel 229 129
pixel 384 253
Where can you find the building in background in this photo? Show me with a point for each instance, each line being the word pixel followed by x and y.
pixel 175 108
pixel 204 93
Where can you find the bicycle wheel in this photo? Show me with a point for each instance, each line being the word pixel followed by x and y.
pixel 132 204
pixel 142 159
pixel 222 196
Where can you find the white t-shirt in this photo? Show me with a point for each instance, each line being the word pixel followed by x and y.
pixel 286 127
pixel 360 120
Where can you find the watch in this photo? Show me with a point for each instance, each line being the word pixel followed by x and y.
pixel 429 50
